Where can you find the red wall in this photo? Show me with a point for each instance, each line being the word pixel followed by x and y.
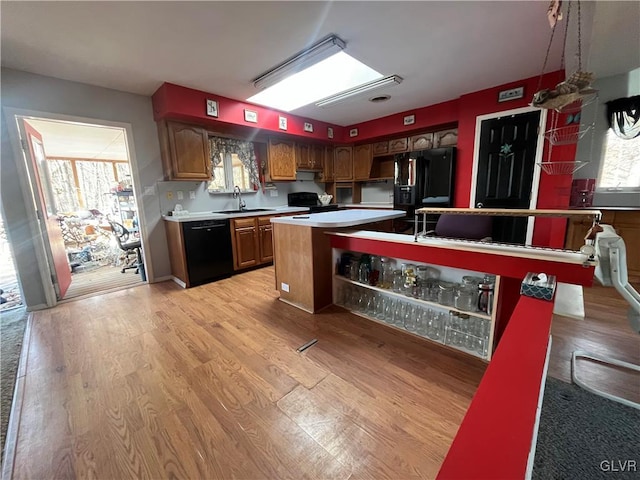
pixel 182 103
pixel 554 191
pixel 174 101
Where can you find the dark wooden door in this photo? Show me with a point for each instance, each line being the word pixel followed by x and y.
pixel 505 170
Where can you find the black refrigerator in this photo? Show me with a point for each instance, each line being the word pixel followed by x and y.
pixel 424 179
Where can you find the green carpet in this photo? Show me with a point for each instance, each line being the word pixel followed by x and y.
pixel 12 325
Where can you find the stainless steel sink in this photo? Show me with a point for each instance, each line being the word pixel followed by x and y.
pixel 246 210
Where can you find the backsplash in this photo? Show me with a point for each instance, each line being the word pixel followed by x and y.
pixel 378 192
pixel 205 201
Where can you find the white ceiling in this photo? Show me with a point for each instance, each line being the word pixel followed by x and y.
pixel 441 49
pixel 75 140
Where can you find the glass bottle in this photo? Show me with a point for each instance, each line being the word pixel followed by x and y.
pixel 374 272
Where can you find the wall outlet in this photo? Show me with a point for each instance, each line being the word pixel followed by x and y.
pixel 192 195
pixel 273 193
pixel 284 287
pixel 180 195
pixel 169 195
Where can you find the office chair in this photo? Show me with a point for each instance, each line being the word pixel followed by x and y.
pixel 468 227
pixel 129 247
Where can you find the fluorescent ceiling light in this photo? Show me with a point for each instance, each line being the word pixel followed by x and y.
pixel 321 50
pixel 366 87
pixel 337 73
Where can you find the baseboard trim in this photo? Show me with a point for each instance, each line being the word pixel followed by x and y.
pixel 40 306
pixel 162 279
pixel 15 416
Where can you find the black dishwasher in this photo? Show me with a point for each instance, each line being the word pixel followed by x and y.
pixel 207 245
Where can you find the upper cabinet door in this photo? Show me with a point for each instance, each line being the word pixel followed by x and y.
pixel 380 148
pixel 282 159
pixel 362 159
pixel 399 145
pixel 327 166
pixel 343 164
pixel 303 156
pixel 185 151
pixel 309 157
pixel 445 138
pixel 423 141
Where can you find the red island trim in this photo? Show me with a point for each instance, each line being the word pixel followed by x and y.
pixel 495 438
pixel 489 262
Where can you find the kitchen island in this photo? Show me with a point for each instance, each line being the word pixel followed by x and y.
pixel 303 256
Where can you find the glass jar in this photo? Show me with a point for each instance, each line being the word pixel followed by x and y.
pixel 374 273
pixel 446 294
pixel 398 281
pixel 354 266
pixel 422 273
pixel 386 275
pixel 467 297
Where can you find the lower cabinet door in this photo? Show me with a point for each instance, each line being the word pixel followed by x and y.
pixel 245 240
pixel 265 239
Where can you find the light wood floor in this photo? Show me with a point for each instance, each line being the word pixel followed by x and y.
pixel 101 279
pixel 157 381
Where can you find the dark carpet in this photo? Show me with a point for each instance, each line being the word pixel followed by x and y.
pixel 12 325
pixel 584 436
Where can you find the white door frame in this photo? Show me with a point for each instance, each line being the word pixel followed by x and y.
pixel 535 181
pixel 25 173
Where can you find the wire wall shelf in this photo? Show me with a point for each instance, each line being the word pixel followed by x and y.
pixel 561 168
pixel 567 135
pixel 577 105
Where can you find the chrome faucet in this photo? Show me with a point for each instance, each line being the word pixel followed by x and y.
pixel 237 193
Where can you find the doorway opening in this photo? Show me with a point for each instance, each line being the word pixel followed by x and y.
pixel 82 176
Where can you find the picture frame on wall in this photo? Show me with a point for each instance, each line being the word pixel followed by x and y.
pixel 353 132
pixel 308 127
pixel 282 122
pixel 329 132
pixel 212 108
pixel 250 116
pixel 409 120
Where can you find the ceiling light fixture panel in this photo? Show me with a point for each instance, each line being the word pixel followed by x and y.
pixel 321 50
pixel 364 88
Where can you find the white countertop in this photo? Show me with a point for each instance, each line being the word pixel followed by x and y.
pixel 339 218
pixel 376 205
pixel 195 216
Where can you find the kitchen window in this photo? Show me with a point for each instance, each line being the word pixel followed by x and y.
pixel 233 163
pixel 620 168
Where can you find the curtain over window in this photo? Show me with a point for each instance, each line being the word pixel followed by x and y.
pixel 623 116
pixel 223 147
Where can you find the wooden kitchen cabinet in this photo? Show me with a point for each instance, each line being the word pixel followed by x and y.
pixel 252 241
pixel 245 235
pixel 626 224
pixel 327 165
pixel 399 145
pixel 343 164
pixel 362 159
pixel 265 240
pixel 185 151
pixel 445 138
pixel 423 141
pixel 309 157
pixel 281 159
pixel 380 148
